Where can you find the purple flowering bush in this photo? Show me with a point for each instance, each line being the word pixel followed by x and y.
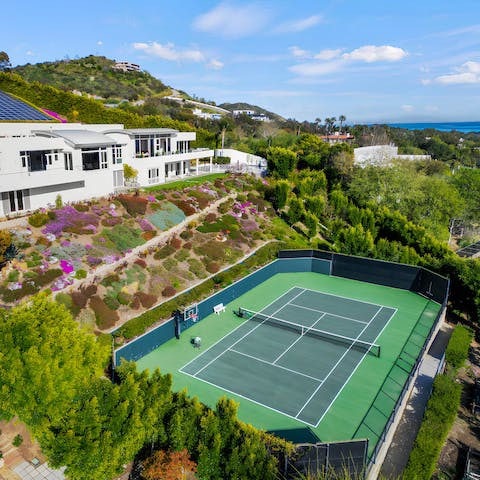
pixel 69 219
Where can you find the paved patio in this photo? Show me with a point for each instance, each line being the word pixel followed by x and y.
pixel 27 471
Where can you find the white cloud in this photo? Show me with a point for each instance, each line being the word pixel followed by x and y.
pixel 313 69
pixel 234 21
pixel 407 108
pixel 299 25
pixel 298 52
pixel 468 73
pixel 373 53
pixel 99 43
pixel 169 52
pixel 215 64
pixel 327 54
pixel 29 53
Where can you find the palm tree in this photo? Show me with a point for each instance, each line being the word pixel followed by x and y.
pixel 318 122
pixel 341 119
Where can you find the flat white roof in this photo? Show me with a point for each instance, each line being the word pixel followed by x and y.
pixel 79 138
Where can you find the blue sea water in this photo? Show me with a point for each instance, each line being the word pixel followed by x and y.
pixel 464 127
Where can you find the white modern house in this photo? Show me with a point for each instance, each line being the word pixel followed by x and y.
pixel 39 161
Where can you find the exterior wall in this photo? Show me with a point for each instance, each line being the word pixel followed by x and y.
pixel 382 155
pixel 239 158
pixel 40 188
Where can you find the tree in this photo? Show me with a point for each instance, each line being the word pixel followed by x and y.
pixel 129 172
pixel 342 119
pixel 295 210
pixel 280 194
pixel 4 62
pixel 318 123
pixel 168 466
pixel 46 361
pixel 281 161
pixel 5 242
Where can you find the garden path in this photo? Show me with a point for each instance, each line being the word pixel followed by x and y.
pixel 102 271
pixel 14 223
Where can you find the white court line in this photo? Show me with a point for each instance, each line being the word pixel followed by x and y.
pixel 223 389
pixel 346 298
pixel 246 335
pixel 356 367
pixel 230 332
pixel 276 366
pixel 332 314
pixel 338 362
pixel 299 338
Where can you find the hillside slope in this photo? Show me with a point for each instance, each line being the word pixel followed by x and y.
pixel 94 75
pixel 248 106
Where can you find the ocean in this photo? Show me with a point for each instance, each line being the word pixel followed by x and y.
pixel 465 127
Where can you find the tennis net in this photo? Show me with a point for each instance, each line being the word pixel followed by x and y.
pixel 370 348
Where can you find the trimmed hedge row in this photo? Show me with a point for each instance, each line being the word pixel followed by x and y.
pixel 438 419
pixel 139 325
pixel 457 350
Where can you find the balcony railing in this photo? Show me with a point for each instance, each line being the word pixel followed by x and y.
pixel 162 153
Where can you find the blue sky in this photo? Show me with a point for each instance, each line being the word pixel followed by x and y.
pixel 371 61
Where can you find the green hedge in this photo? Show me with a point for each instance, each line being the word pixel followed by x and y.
pixel 457 350
pixel 139 324
pixel 438 419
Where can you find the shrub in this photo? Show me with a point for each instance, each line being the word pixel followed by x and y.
pixel 225 222
pixel 28 288
pixel 147 300
pixel 13 276
pixel 112 302
pixel 170 263
pixel 141 263
pixel 80 274
pixel 185 207
pixel 213 267
pixel 124 298
pixel 438 418
pixel 210 218
pixel 169 291
pixel 38 219
pixel 457 349
pixel 17 441
pixel 123 237
pixel 196 267
pixel 81 207
pixel 186 234
pixel 187 245
pixel 51 215
pixel 111 221
pixel 176 243
pixel 149 235
pixel 182 255
pixel 164 252
pixel 58 201
pixel 66 299
pixel 44 278
pixel 134 205
pixel 110 279
pixel 104 316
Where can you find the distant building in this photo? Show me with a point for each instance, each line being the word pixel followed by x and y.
pixel 338 137
pixel 207 116
pixel 382 155
pixel 259 117
pixel 243 112
pixel 126 67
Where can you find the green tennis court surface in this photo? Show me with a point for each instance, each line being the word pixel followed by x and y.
pixel 294 371
pixel 283 379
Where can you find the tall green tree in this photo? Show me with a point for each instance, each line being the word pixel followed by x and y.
pixel 281 161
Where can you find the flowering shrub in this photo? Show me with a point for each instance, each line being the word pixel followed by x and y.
pixel 38 219
pixel 66 266
pixel 145 225
pixel 69 219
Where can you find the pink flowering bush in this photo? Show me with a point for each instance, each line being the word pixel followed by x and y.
pixel 70 219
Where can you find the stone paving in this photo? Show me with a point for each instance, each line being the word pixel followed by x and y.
pixel 26 471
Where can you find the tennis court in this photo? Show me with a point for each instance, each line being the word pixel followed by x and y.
pixel 296 355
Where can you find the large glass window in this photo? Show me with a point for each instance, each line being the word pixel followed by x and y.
pixel 16 200
pixel 68 161
pixel 94 159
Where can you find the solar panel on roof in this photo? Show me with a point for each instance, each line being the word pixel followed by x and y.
pixel 12 108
